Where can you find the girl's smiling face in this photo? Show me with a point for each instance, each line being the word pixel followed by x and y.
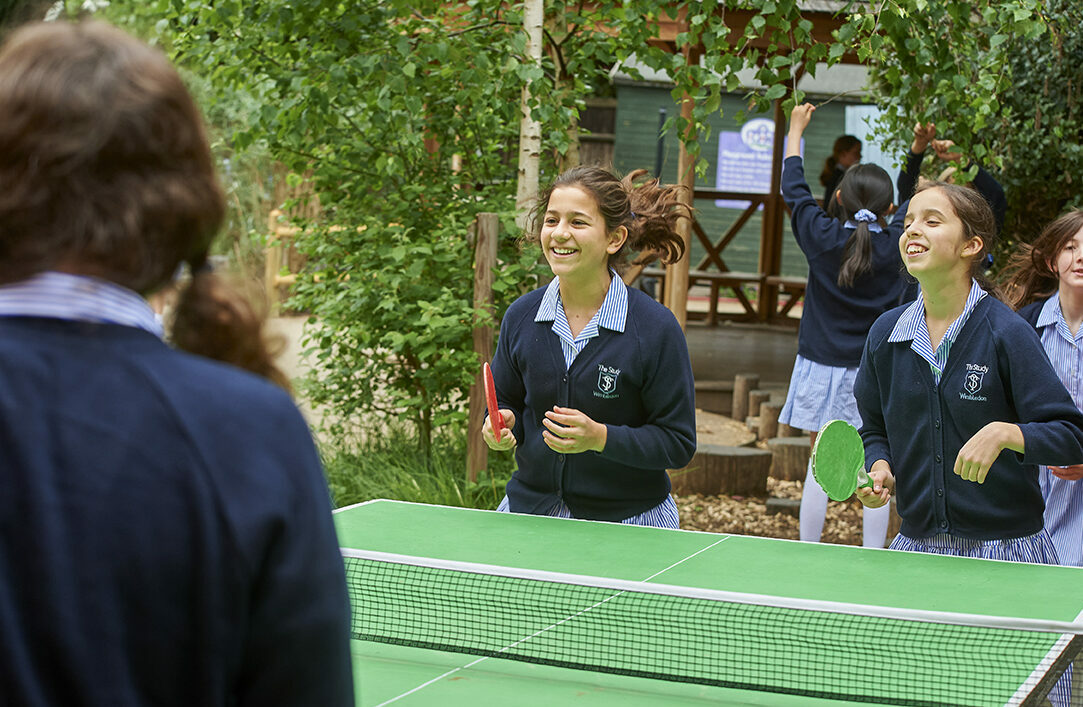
pixel 934 240
pixel 574 237
pixel 1069 263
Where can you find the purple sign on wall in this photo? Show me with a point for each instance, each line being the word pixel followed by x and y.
pixel 744 161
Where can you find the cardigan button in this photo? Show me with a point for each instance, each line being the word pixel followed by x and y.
pixel 937 458
pixel 937 424
pixel 940 492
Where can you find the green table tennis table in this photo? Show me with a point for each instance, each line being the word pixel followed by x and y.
pixel 408 675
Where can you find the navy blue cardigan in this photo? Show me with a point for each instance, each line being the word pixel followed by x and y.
pixel 648 409
pixel 835 320
pixel 997 371
pixel 165 530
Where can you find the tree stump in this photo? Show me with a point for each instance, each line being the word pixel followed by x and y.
pixel 743 383
pixel 790 458
pixel 756 398
pixel 720 469
pixel 785 430
pixel 768 427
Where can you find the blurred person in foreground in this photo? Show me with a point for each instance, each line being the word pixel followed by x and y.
pixel 166 529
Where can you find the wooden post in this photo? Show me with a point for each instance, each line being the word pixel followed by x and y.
pixel 768 420
pixel 756 398
pixel 477 452
pixel 676 294
pixel 743 383
pixel 770 262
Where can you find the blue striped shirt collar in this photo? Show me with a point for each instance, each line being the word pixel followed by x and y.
pixel 79 298
pixel 611 315
pixel 912 320
pixel 912 327
pixel 1051 313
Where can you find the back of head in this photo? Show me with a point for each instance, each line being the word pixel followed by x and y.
pixel 866 196
pixel 103 157
pixel 106 171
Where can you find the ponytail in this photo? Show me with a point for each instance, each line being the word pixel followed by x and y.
pixel 653 214
pixel 215 319
pixel 866 194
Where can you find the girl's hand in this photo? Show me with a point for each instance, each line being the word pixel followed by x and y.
pixel 799 120
pixel 981 450
pixel 943 150
pixel 1068 473
pixel 569 431
pixel 883 485
pixel 507 439
pixel 923 135
pixel 800 117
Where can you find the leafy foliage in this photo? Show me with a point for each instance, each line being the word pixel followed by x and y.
pixel 1039 137
pixel 385 466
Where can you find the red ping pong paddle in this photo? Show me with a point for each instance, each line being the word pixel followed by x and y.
pixel 496 419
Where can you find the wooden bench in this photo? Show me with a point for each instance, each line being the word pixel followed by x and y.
pixel 731 280
pixel 794 287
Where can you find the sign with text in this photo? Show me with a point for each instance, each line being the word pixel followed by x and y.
pixel 744 161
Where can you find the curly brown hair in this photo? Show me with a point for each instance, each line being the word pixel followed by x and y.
pixel 638 202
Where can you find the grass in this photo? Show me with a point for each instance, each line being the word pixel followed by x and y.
pixel 392 466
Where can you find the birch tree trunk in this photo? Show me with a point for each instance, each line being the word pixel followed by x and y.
pixel 529 129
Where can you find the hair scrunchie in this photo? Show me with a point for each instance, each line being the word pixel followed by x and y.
pixel 865 215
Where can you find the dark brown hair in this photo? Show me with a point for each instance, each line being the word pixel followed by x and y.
pixel 1030 274
pixel 106 171
pixel 638 202
pixel 977 218
pixel 843 143
pixel 864 187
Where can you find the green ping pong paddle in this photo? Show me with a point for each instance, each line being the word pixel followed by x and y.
pixel 838 460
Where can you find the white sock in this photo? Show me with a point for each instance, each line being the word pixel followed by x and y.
pixel 813 509
pixel 874 522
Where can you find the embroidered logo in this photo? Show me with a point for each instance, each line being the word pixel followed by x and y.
pixel 972 381
pixel 607 382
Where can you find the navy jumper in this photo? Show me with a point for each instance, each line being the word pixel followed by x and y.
pixel 835 319
pixel 997 370
pixel 637 382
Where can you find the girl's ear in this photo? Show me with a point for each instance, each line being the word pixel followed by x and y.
pixel 973 246
pixel 838 197
pixel 617 239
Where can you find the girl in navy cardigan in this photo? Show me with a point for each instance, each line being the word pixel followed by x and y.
pixel 854 276
pixel 958 401
pixel 593 378
pixel 1046 286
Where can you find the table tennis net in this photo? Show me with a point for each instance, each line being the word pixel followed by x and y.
pixel 750 642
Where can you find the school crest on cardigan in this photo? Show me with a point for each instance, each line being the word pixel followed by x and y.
pixel 607 382
pixel 972 381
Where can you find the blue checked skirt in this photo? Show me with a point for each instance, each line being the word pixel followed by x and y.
pixel 664 515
